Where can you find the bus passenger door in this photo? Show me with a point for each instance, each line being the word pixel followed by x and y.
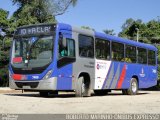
pixel 66 56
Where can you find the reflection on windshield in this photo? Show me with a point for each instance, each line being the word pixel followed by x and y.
pixel 32 52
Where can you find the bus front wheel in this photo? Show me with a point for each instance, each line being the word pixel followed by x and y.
pixel 133 89
pixel 82 88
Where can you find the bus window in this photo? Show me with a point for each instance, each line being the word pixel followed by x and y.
pixel 68 50
pixel 142 56
pixel 151 57
pixel 102 49
pixel 130 54
pixel 117 51
pixel 86 46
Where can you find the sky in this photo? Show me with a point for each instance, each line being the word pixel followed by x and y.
pixel 103 14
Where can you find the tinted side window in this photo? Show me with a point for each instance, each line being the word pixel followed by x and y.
pixel 151 57
pixel 69 50
pixel 86 46
pixel 142 56
pixel 117 51
pixel 66 52
pixel 130 54
pixel 102 49
pixel 71 47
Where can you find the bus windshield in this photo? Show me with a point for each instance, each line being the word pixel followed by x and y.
pixel 32 52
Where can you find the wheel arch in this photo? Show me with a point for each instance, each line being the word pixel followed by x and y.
pixel 87 78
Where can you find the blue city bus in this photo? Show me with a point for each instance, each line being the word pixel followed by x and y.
pixel 59 57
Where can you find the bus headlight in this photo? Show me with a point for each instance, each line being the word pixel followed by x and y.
pixel 48 74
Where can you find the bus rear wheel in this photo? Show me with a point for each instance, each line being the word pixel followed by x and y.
pixel 133 89
pixel 82 88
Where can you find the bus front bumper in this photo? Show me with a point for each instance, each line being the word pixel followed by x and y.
pixel 46 84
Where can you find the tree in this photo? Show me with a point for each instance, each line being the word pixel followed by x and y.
pixel 127 24
pixel 153 31
pixel 31 12
pixel 4 52
pixel 148 32
pixel 4 25
pixel 39 11
pixel 3 19
pixel 109 32
pixel 59 7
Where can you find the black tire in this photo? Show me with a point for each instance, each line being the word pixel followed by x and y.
pixel 100 92
pixel 82 88
pixel 133 89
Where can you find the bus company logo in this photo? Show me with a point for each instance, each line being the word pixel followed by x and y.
pixel 99 66
pixel 154 70
pixel 142 74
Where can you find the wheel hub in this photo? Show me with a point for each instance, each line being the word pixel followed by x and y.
pixel 134 87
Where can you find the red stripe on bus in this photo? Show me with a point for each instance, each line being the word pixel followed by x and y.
pixel 122 76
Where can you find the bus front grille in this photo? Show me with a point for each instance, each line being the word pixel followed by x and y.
pixel 31 84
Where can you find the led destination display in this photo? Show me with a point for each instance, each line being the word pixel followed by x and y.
pixel 31 30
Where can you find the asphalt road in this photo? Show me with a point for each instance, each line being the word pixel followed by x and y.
pixel 31 103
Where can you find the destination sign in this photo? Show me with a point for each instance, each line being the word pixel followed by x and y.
pixel 32 30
